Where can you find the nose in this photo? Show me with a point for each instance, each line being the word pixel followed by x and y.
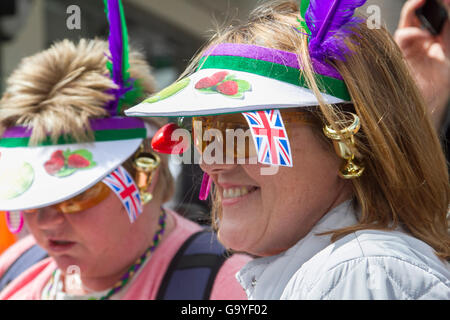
pixel 49 218
pixel 215 168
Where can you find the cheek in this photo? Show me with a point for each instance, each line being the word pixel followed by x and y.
pixel 101 226
pixel 294 198
pixel 29 219
pixel 31 224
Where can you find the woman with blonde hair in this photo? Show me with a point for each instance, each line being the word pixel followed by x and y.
pixel 349 195
pixel 90 187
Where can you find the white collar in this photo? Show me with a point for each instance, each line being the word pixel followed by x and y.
pixel 265 278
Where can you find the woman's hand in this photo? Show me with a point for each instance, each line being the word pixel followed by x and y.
pixel 428 57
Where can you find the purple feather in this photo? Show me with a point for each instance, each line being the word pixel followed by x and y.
pixel 115 40
pixel 330 22
pixel 118 47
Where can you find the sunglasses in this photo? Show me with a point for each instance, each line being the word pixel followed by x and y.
pixel 86 200
pixel 231 132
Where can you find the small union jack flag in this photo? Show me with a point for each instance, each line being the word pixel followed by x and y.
pixel 270 137
pixel 124 187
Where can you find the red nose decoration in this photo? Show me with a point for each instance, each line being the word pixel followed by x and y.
pixel 162 141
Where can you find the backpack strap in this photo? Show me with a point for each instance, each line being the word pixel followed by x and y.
pixel 193 270
pixel 30 257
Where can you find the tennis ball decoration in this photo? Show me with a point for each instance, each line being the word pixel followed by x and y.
pixel 224 83
pixel 15 177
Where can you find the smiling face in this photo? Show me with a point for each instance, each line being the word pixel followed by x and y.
pixel 92 239
pixel 267 214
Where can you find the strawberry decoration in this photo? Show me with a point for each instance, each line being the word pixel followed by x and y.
pixel 219 76
pixel 211 81
pixel 77 161
pixel 224 83
pixel 55 163
pixel 205 83
pixel 162 140
pixel 64 163
pixel 58 154
pixel 229 88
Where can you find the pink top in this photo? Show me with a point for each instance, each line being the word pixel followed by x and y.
pixel 29 285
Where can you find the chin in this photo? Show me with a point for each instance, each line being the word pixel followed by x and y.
pixel 226 239
pixel 234 239
pixel 66 263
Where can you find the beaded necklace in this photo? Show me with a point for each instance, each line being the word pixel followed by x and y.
pixel 135 267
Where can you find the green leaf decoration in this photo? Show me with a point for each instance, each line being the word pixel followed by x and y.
pixel 208 90
pixel 91 165
pixel 243 85
pixel 65 171
pixel 84 153
pixel 238 95
pixel 229 78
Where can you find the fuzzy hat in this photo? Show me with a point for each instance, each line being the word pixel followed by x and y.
pixel 60 125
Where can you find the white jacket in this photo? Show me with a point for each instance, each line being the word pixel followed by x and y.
pixel 367 264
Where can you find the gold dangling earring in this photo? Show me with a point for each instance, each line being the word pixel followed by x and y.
pixel 145 163
pixel 344 142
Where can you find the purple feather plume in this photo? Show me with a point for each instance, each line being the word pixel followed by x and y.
pixel 329 22
pixel 115 40
pixel 118 47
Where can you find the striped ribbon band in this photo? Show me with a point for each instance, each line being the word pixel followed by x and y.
pixel 105 129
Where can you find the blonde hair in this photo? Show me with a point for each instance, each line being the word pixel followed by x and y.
pixel 57 91
pixel 406 180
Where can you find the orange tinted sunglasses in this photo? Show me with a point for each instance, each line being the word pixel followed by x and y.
pixel 86 200
pixel 235 127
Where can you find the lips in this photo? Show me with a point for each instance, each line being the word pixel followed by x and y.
pixel 233 194
pixel 59 245
pixel 236 192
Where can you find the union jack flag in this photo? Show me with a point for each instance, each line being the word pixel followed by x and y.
pixel 270 137
pixel 124 187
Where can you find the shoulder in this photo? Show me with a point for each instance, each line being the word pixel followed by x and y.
pixel 29 284
pixel 226 286
pixel 372 264
pixel 203 256
pixel 11 254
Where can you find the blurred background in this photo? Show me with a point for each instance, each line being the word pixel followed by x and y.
pixel 168 31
